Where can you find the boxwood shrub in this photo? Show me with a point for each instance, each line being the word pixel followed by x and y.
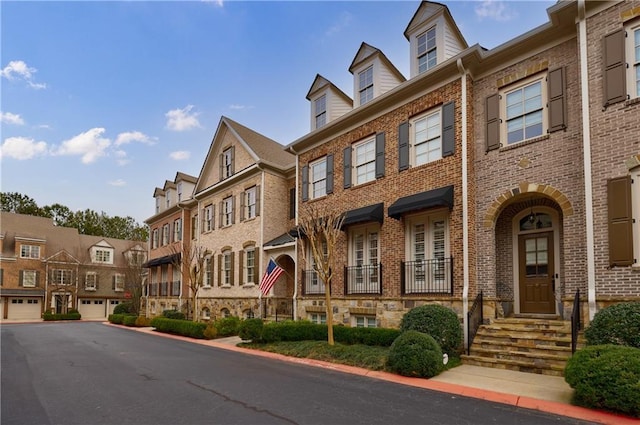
pixel 304 330
pixel 617 324
pixel 251 329
pixel 227 326
pixel 415 354
pixel 173 314
pixel 606 377
pixel 48 316
pixel 129 320
pixel 123 308
pixel 179 327
pixel 383 337
pixel 440 322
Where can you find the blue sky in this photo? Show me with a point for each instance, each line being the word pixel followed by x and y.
pixel 101 102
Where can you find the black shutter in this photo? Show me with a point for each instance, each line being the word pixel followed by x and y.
pixel 221 166
pixel 257 200
pixel 213 216
pixel 347 167
pixel 620 221
pixel 113 283
pixel 233 160
pixel 380 155
pixel 232 271
pixel 403 146
pixel 1 276
pixel 37 278
pixel 614 80
pixel 242 266
pixel 256 263
pixel 329 174
pixel 21 278
pixel 556 83
pixel 448 129
pixel 233 209
pixel 220 265
pixel 492 114
pixel 305 183
pixel 242 205
pixel 97 280
pixel 292 203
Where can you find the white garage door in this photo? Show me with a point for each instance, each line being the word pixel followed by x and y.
pixel 24 308
pixel 92 309
pixel 112 305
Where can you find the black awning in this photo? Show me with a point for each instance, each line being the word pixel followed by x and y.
pixel 281 240
pixel 441 197
pixel 167 259
pixel 15 292
pixel 365 214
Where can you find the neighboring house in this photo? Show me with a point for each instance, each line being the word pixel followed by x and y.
pixel 242 211
pixel 51 268
pixel 396 164
pixel 169 229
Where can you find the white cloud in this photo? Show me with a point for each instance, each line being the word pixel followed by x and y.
pixel 9 118
pixel 18 70
pixel 22 148
pixel 133 136
pixel 219 3
pixel 180 155
pixel 343 22
pixel 121 157
pixel 494 9
pixel 90 145
pixel 182 119
pixel 118 183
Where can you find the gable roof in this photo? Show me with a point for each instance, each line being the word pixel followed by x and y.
pixel 427 11
pixel 367 52
pixel 320 83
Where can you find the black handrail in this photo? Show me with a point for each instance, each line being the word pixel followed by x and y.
pixel 431 276
pixel 576 321
pixel 363 279
pixel 475 318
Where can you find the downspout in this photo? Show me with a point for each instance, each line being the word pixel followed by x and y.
pixel 465 200
pixel 295 271
pixel 586 146
pixel 262 256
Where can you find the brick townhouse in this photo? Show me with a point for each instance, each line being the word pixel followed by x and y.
pixel 241 213
pixel 49 268
pixel 395 161
pixel 169 228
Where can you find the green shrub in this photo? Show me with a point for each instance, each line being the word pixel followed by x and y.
pixel 227 326
pixel 382 337
pixel 142 322
pixel 289 330
pixel 129 320
pixel 116 318
pixel 173 314
pixel 617 324
pixel 123 308
pixel 210 332
pixel 179 327
pixel 606 377
pixel 48 316
pixel 415 354
pixel 440 322
pixel 251 329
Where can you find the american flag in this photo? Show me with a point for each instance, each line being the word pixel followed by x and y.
pixel 271 275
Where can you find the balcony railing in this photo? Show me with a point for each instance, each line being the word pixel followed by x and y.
pixel 311 283
pixel 427 276
pixel 363 279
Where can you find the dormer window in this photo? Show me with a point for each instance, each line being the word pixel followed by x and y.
pixel 320 108
pixel 179 191
pixel 427 57
pixel 168 199
pixel 365 85
pixel 157 205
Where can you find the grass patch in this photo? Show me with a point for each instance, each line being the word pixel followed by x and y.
pixel 364 356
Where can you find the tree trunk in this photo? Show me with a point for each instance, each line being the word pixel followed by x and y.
pixel 327 295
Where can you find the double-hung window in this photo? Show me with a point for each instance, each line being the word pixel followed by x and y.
pixel 154 239
pixel 524 107
pixel 427 53
pixel 177 230
pixel 365 322
pixel 320 110
pixel 426 135
pixel 364 164
pixel 226 163
pixel 365 85
pixel 29 278
pixel 91 281
pixel 118 282
pixel 633 53
pixel 318 171
pixel 318 318
pixel 207 277
pixel 30 251
pixel 227 211
pixel 61 276
pixel 165 234
pixel 207 223
pixel 194 226
pixel 103 256
pixel 250 265
pixel 250 205
pixel 227 264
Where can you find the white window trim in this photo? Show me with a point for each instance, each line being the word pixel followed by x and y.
pixel 226 268
pixel 93 276
pixel 318 318
pixel 208 272
pixel 354 161
pixel 206 313
pixel 324 113
pixel 208 218
pixel 177 229
pixel 227 211
pixel 366 320
pixel 368 230
pixel 227 163
pixel 436 49
pixel 427 218
pixel 633 87
pixel 635 213
pixel 248 280
pixel 503 92
pixel 252 191
pixel 360 90
pixel 412 136
pixel 62 273
pixel 33 276
pixel 119 282
pixel 313 181
pixel 31 249
pixel 155 238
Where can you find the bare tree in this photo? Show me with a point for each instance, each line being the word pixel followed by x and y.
pixel 134 275
pixel 321 230
pixel 193 263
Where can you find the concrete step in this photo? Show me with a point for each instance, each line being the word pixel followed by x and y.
pixel 536 359
pixel 539 367
pixel 528 347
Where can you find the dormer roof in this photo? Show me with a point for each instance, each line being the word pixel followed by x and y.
pixel 320 84
pixel 367 53
pixel 182 177
pixel 169 185
pixel 428 11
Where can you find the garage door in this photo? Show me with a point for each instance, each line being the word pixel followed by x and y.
pixel 112 305
pixel 92 309
pixel 24 308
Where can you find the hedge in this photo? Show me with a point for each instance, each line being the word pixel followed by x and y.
pixel 617 324
pixel 306 331
pixel 606 377
pixel 179 327
pixel 129 320
pixel 56 316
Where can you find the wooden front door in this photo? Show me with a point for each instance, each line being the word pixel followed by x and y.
pixel 536 272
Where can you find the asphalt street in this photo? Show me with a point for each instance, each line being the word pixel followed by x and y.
pixel 87 373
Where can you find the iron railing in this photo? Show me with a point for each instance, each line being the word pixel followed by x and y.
pixel 475 318
pixel 311 283
pixel 279 308
pixel 427 276
pixel 576 321
pixel 363 279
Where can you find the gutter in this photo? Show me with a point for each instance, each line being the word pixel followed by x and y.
pixel 465 202
pixel 586 147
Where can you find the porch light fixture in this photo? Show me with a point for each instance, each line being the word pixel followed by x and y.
pixel 532 216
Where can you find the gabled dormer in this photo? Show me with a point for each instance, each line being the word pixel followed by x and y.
pixel 373 74
pixel 328 102
pixel 433 36
pixel 184 186
pixel 169 194
pixel 102 252
pixel 158 195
